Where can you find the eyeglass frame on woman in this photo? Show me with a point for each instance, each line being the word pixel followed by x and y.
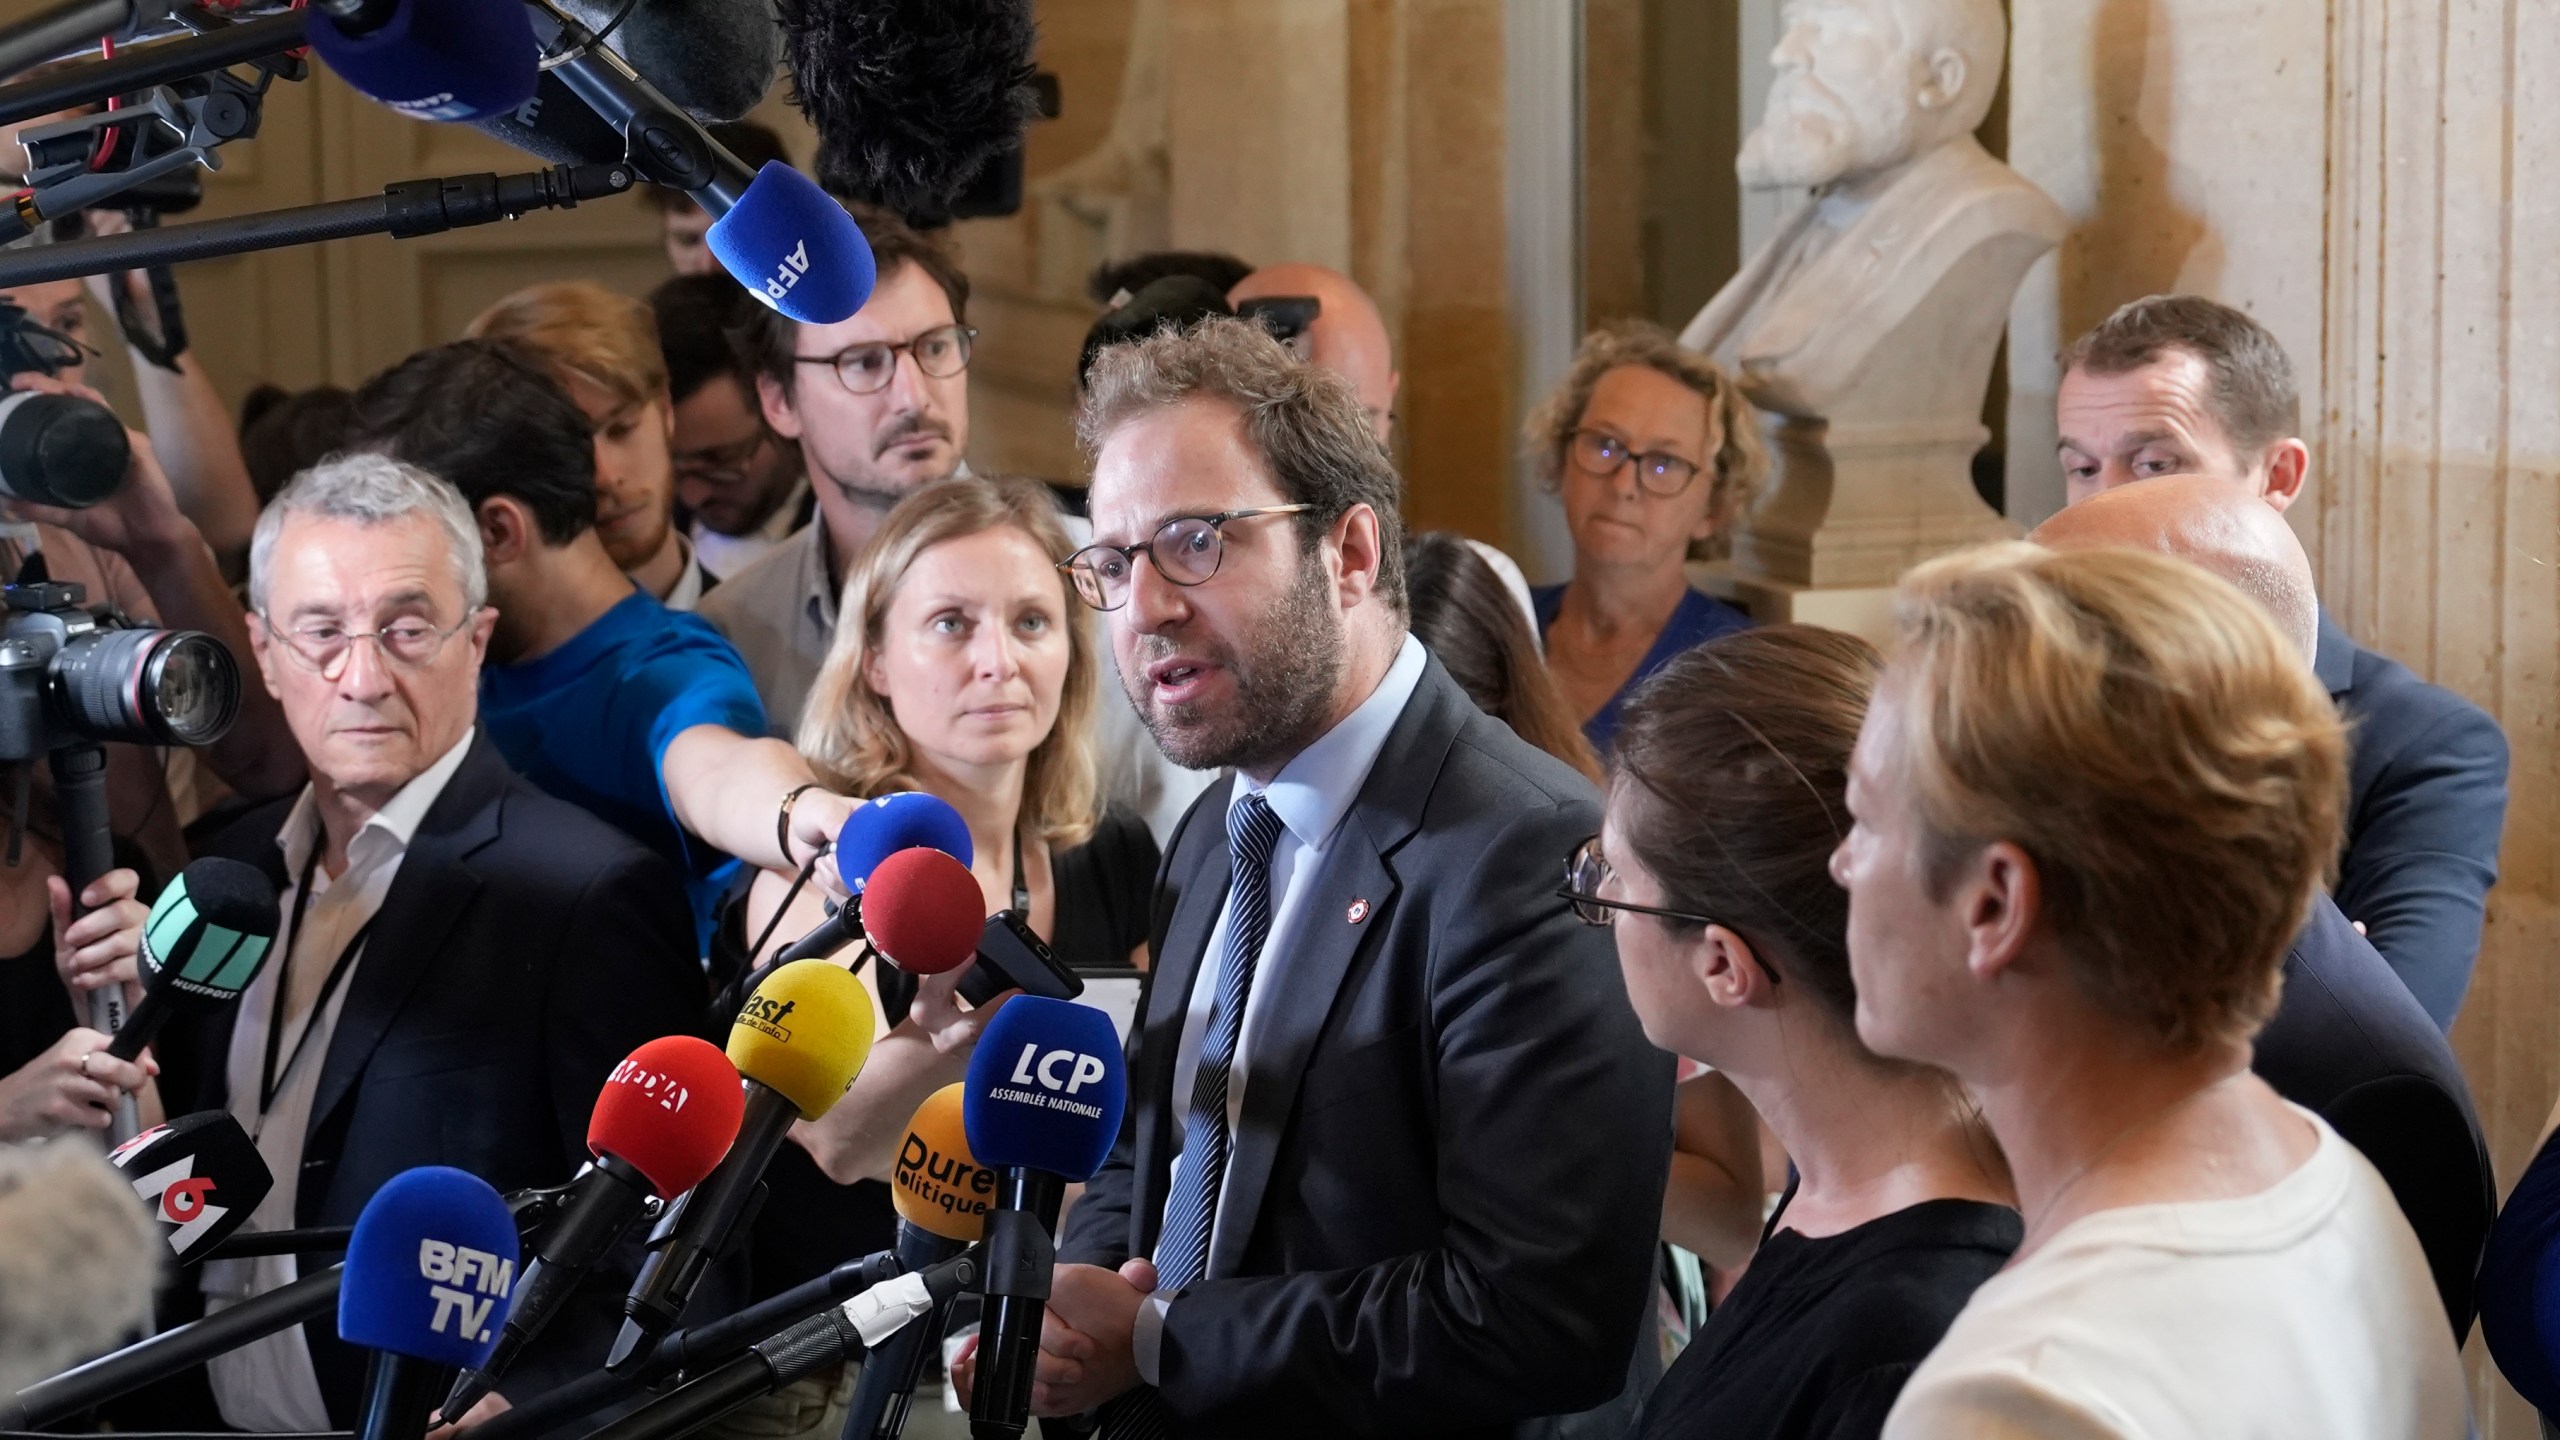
pixel 968 336
pixel 1077 567
pixel 291 640
pixel 1584 902
pixel 1690 469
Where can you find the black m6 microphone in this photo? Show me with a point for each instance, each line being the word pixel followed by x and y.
pixel 201 1175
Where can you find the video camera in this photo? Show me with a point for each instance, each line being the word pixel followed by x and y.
pixel 59 450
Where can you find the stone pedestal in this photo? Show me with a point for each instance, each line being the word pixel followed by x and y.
pixel 1856 505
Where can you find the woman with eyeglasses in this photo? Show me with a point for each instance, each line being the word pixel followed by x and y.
pixel 1726 796
pixel 1654 453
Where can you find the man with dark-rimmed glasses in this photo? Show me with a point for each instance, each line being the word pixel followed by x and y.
pixel 879 406
pixel 1387 1098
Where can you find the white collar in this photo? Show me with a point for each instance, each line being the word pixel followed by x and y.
pixel 1316 788
pixel 397 821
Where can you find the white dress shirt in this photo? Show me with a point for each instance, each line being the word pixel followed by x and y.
pixel 270 1385
pixel 1310 795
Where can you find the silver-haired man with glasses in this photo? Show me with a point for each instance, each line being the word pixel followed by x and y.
pixel 464 959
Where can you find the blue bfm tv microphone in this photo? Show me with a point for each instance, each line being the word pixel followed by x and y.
pixel 428 1273
pixel 1045 1093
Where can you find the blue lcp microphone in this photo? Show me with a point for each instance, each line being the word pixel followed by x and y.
pixel 794 247
pixel 432 59
pixel 1043 1102
pixel 877 829
pixel 429 1270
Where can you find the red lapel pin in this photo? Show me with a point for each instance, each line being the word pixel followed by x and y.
pixel 1358 912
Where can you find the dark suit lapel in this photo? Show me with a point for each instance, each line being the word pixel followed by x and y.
pixel 408 933
pixel 1324 939
pixel 1178 962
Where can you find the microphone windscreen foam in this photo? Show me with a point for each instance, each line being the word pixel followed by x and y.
pixel 910 98
pixel 901 820
pixel 794 247
pixel 209 931
pixel 671 1108
pixel 938 1184
pixel 429 1268
pixel 200 1175
pixel 924 911
pixel 1046 1088
pixel 805 1032
pixel 438 59
pixel 77 1260
pixel 715 59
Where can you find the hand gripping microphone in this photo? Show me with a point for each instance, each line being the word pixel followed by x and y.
pixel 942 1194
pixel 877 829
pixel 206 937
pixel 425 1288
pixel 431 59
pixel 798 1042
pixel 666 1116
pixel 1045 1092
pixel 200 1174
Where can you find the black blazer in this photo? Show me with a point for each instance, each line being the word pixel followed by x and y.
pixel 2427 798
pixel 2349 1042
pixel 523 950
pixel 1443 1196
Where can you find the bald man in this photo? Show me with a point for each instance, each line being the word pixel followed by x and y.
pixel 2348 1039
pixel 1349 337
pixel 2178 385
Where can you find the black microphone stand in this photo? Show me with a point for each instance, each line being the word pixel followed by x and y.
pixel 405 209
pixel 236 43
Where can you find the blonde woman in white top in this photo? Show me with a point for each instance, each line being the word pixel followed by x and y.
pixel 2090 803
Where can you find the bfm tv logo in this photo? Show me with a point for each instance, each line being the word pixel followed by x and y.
pixel 176 1194
pixel 452 1273
pixel 656 1084
pixel 768 1015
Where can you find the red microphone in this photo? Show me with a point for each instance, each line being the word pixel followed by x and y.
pixel 667 1115
pixel 924 911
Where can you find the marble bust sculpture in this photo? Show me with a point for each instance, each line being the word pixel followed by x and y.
pixel 1867 325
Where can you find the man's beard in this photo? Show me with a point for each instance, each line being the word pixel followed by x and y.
pixel 876 489
pixel 1809 138
pixel 1285 674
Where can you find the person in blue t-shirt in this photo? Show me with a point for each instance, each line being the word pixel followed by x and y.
pixel 1656 455
pixel 595 692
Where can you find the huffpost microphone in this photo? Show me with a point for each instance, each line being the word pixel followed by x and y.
pixel 427 1276
pixel 943 1195
pixel 206 937
pixel 1045 1093
pixel 665 1117
pixel 798 1042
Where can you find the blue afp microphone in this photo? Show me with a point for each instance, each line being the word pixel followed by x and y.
pixel 877 829
pixel 428 1272
pixel 431 59
pixel 1046 1089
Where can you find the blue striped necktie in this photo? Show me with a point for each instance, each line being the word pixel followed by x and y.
pixel 1182 1249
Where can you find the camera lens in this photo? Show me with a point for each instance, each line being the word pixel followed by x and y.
pixel 60 449
pixel 149 687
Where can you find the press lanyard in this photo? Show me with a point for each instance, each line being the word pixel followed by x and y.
pixel 272 1078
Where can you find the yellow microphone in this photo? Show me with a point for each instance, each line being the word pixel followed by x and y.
pixel 943 1195
pixel 797 1042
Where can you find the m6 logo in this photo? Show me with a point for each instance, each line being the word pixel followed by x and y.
pixel 1034 1067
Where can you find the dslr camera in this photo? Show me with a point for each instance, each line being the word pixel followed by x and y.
pixel 59 450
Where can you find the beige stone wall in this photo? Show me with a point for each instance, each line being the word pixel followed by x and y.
pixel 2378 181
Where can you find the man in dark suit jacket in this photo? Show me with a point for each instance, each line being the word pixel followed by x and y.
pixel 2177 386
pixel 2349 1041
pixel 465 960
pixel 1414 1188
pixel 2426 803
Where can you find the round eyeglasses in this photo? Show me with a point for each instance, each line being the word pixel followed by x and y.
pixel 1659 472
pixel 866 369
pixel 1186 550
pixel 325 647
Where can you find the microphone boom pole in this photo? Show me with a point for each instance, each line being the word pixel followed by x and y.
pixel 237 43
pixel 403 210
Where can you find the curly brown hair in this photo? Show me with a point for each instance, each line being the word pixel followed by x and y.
pixel 1741 458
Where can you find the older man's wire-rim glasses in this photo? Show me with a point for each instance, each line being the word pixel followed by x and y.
pixel 324 646
pixel 1185 550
